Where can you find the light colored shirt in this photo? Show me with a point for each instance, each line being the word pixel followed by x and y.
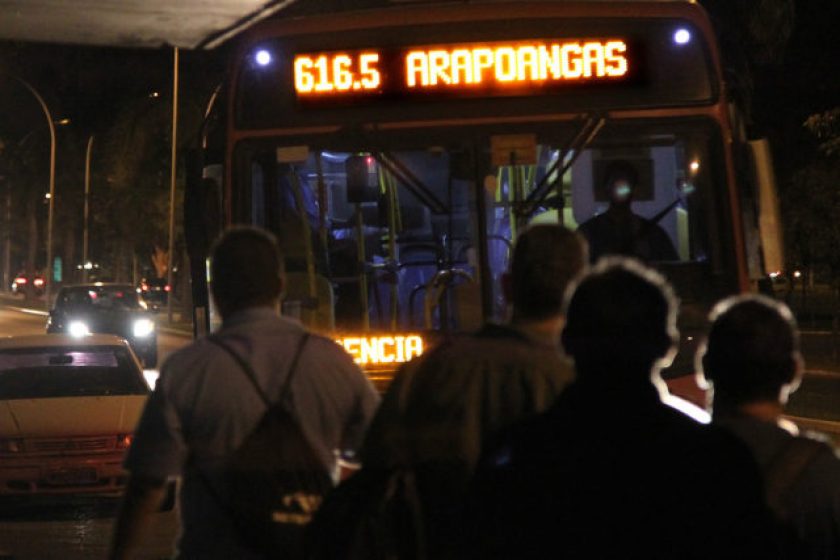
pixel 445 406
pixel 204 406
pixel 812 502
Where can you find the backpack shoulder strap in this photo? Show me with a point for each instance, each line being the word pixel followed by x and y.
pixel 786 467
pixel 293 366
pixel 249 371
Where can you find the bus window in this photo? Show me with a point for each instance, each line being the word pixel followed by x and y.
pixel 396 252
pixel 676 204
pixel 388 240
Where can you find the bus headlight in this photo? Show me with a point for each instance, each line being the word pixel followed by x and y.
pixel 143 328
pixel 78 329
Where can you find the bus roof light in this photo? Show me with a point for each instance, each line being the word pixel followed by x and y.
pixel 682 36
pixel 263 57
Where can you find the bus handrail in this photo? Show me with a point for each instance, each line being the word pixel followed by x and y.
pixel 439 284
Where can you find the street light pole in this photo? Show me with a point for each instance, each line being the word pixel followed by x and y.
pixel 87 211
pixel 172 173
pixel 49 275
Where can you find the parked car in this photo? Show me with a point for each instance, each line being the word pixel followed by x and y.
pixel 108 309
pixel 155 292
pixel 22 280
pixel 68 408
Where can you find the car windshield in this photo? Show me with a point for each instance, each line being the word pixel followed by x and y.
pixel 40 373
pixel 100 297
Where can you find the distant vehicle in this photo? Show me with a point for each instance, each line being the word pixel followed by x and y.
pixel 155 292
pixel 68 407
pixel 22 280
pixel 115 309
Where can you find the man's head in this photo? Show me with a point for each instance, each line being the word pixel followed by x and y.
pixel 546 258
pixel 246 270
pixel 621 181
pixel 752 351
pixel 620 322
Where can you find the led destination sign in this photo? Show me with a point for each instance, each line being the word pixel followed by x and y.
pixel 482 68
pixel 382 350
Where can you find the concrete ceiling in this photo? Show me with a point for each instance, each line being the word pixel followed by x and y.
pixel 132 23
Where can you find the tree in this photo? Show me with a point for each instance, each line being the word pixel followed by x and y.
pixel 134 166
pixel 826 127
pixel 812 211
pixel 753 35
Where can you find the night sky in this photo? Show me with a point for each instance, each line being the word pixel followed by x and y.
pixel 804 81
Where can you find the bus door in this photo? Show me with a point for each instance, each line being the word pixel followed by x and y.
pixel 681 222
pixel 388 235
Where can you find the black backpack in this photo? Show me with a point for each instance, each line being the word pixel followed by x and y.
pixel 275 480
pixel 376 514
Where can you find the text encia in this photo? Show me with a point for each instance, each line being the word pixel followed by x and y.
pixel 496 65
pixel 376 350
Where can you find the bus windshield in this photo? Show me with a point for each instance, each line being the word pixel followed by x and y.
pixel 397 231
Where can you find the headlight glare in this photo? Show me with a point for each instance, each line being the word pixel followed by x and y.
pixel 143 327
pixel 78 329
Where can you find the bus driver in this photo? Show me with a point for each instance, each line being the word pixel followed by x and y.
pixel 619 231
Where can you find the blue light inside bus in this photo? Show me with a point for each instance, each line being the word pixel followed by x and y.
pixel 262 57
pixel 682 36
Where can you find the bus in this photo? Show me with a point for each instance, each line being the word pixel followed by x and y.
pixel 397 151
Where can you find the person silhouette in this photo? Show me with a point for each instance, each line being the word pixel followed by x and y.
pixel 753 363
pixel 204 406
pixel 619 231
pixel 443 406
pixel 610 471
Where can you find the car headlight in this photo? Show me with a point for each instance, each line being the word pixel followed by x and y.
pixel 78 328
pixel 143 327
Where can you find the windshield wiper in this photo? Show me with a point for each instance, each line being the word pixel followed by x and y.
pixel 410 181
pixel 399 171
pixel 584 136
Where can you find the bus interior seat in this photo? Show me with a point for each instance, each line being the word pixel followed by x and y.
pixel 468 312
pixel 461 291
pixel 317 315
pixel 418 265
pixel 416 220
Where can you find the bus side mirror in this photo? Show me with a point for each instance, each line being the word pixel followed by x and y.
pixel 362 179
pixel 769 216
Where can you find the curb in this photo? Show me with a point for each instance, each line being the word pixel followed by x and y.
pixel 28 310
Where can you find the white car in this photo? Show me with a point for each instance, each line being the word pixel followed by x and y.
pixel 68 409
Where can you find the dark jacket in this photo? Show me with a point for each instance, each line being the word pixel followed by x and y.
pixel 612 472
pixel 444 406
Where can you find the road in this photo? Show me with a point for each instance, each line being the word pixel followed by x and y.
pixel 18 320
pixel 74 529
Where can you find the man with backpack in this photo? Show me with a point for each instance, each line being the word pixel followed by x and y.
pixel 752 360
pixel 443 407
pixel 260 403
